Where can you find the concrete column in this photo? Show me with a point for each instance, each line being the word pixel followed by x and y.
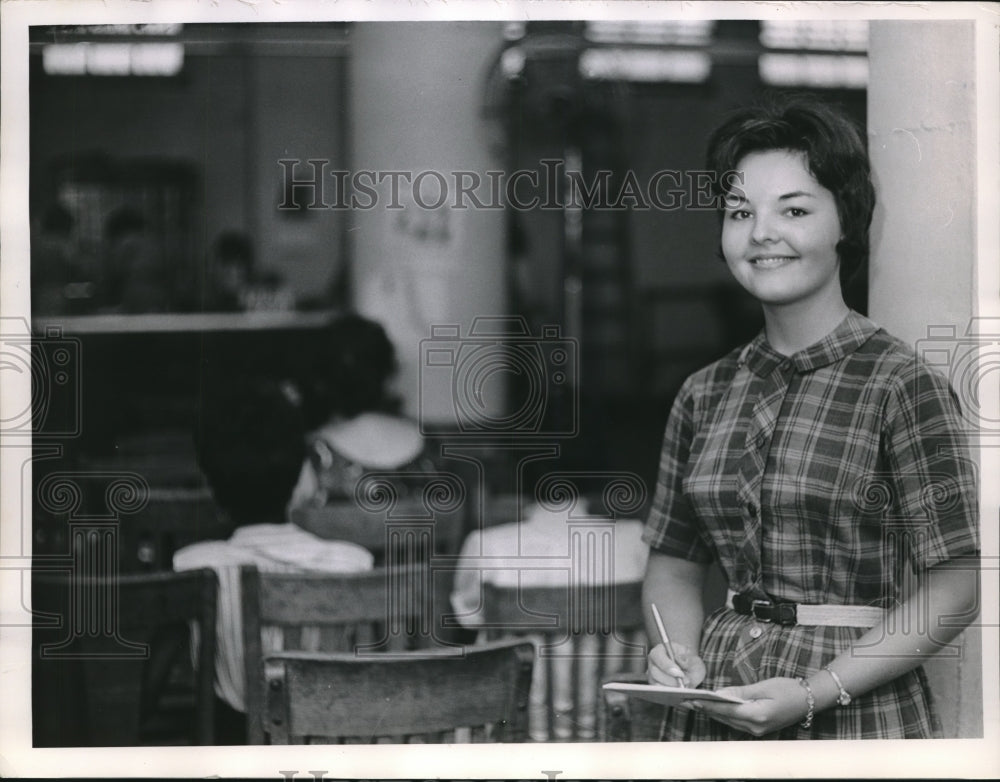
pixel 922 139
pixel 921 128
pixel 416 96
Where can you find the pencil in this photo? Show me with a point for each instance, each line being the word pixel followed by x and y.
pixel 665 639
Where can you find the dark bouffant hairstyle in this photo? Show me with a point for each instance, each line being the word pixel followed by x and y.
pixel 353 366
pixel 835 151
pixel 250 445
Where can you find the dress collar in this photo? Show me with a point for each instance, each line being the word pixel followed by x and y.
pixel 852 332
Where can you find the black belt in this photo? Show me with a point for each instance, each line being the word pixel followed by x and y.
pixel 781 612
pixel 785 612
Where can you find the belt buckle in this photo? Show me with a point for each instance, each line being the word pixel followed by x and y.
pixel 755 604
pixel 787 614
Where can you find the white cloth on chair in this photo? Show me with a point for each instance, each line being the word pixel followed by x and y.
pixel 274 548
pixel 552 549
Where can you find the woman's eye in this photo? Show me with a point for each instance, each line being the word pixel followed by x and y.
pixel 796 212
pixel 738 214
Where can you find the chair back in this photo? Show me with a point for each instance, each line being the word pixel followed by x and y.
pixel 388 609
pixel 112 659
pixel 625 718
pixel 399 698
pixel 583 634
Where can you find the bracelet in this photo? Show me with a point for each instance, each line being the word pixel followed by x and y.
pixel 810 702
pixel 844 699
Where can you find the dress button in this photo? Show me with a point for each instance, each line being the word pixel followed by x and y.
pixel 756 631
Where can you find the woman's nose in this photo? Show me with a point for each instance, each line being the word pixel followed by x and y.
pixel 763 230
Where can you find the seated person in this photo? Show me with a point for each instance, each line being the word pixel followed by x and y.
pixel 354 423
pixel 237 284
pixel 139 282
pixel 250 445
pixel 537 552
pixel 59 284
pixel 230 270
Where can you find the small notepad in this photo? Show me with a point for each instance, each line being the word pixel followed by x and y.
pixel 669 696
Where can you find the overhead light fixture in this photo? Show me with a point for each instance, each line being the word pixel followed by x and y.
pixel 512 62
pixel 645 65
pixel 125 30
pixel 678 32
pixel 847 35
pixel 113 59
pixel 514 31
pixel 813 70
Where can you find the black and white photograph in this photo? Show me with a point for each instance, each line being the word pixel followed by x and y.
pixel 517 390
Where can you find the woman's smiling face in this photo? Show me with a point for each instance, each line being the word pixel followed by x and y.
pixel 780 230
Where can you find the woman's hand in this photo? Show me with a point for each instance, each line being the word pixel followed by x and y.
pixel 689 667
pixel 770 705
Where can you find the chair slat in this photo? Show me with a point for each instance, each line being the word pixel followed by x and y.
pixel 388 609
pixel 415 692
pixel 624 718
pixel 305 598
pixel 576 630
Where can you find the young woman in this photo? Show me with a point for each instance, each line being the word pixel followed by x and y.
pixel 352 416
pixel 821 465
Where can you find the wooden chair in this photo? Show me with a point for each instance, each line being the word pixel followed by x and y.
pixel 583 634
pixel 112 659
pixel 414 696
pixel 624 718
pixel 388 609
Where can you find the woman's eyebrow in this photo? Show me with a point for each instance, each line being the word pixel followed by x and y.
pixel 796 194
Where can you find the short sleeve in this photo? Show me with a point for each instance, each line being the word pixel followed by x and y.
pixel 932 476
pixel 671 527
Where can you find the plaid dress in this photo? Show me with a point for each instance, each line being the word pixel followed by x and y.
pixel 828 476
